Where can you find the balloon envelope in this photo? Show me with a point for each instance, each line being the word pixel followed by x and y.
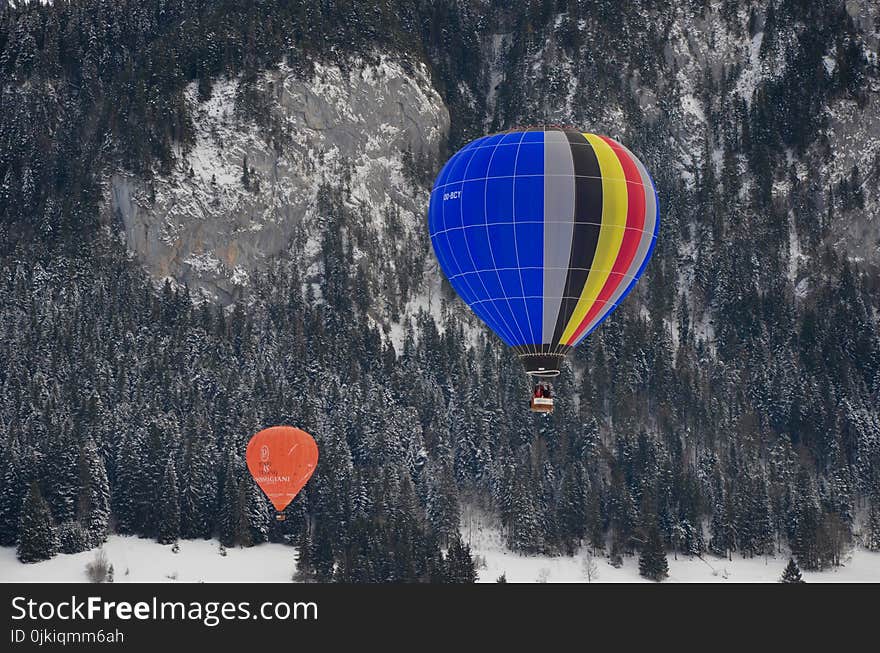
pixel 282 459
pixel 543 232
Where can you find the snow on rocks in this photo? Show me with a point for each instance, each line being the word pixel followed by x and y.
pixel 202 226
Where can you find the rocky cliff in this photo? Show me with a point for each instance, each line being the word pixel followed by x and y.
pixel 209 224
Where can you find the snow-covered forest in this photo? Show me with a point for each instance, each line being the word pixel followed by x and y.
pixel 731 406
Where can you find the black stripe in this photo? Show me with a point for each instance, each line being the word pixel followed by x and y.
pixel 587 209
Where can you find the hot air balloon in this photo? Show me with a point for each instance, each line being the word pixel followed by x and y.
pixel 542 232
pixel 281 459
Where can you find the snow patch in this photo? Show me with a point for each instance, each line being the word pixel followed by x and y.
pixel 137 560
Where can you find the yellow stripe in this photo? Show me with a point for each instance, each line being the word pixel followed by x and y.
pixel 614 207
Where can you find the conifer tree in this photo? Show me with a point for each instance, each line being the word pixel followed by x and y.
pixel 230 514
pixel 322 553
pixel 443 511
pixel 792 573
pixel 10 497
pixel 652 560
pixel 61 493
pixel 127 491
pixel 169 506
pixel 37 538
pixel 93 509
pixel 198 483
pixel 256 509
pixel 459 563
pixel 304 556
pixel 872 538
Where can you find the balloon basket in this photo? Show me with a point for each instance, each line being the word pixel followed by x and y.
pixel 280 516
pixel 541 405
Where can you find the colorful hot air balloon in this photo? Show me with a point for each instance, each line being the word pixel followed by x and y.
pixel 281 459
pixel 543 232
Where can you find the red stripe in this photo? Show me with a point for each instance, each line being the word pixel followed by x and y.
pixel 635 222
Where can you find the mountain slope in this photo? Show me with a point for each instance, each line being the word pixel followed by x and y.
pixel 729 405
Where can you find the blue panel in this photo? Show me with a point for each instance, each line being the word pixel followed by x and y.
pixel 496 325
pixel 529 198
pixel 511 284
pixel 458 167
pixel 479 245
pixel 458 249
pixel 494 139
pixel 532 282
pixel 503 161
pixel 450 202
pixel 439 250
pixel 490 281
pixel 533 137
pixel 520 315
pixel 473 144
pixel 486 312
pixel 486 287
pixel 503 308
pixel 473 202
pixel 501 237
pixel 479 165
pixel 512 137
pixel 535 308
pixel 530 244
pixel 450 267
pixel 530 160
pixel 499 200
pixel 443 177
pixel 463 289
pixel 444 256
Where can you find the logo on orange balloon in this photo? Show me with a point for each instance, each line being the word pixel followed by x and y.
pixel 282 459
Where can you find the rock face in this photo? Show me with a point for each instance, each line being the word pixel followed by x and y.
pixel 209 225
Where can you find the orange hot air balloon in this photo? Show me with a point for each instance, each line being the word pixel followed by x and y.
pixel 282 459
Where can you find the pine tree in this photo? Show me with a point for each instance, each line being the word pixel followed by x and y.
pixel 322 553
pixel 652 560
pixel 792 573
pixel 169 506
pixel 807 519
pixel 37 538
pixel 128 489
pixel 304 556
pixel 10 497
pixel 443 511
pixel 524 530
pixel 198 483
pixel 93 510
pixel 62 492
pixel 459 563
pixel 872 537
pixel 256 509
pixel 232 517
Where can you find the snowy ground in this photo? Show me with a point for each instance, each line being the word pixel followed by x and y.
pixel 494 558
pixel 140 560
pixel 863 566
pixel 137 560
